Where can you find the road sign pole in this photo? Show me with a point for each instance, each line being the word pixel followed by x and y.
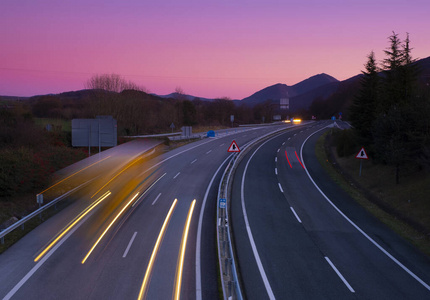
pixel 361 164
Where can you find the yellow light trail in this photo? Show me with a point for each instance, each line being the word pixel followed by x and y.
pixel 180 267
pixel 74 174
pixel 80 217
pixel 155 251
pixel 116 176
pixel 106 230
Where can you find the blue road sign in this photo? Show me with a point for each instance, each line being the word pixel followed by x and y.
pixel 222 203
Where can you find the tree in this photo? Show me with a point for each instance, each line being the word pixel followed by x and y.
pixel 363 109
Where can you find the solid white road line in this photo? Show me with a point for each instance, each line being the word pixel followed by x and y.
pixel 42 261
pixel 339 274
pixel 176 175
pixel 194 161
pixel 248 227
pixel 356 226
pixel 156 198
pixel 294 212
pixel 199 234
pixel 129 244
pixel 280 187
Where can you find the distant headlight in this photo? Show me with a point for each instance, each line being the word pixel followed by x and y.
pixel 297 121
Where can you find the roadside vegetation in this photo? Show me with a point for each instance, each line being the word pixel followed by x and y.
pixel 389 114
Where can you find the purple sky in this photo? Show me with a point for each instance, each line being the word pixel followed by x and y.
pixel 208 48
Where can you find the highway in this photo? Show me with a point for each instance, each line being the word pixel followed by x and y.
pixel 142 228
pixel 297 235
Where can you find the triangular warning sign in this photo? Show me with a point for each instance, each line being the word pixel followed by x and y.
pixel 362 154
pixel 233 147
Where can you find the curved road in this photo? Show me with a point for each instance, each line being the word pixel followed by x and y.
pixel 124 236
pixel 305 238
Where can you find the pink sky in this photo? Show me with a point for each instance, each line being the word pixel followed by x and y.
pixel 210 49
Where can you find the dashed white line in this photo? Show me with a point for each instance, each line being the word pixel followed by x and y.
pixel 276 159
pixel 339 274
pixel 295 134
pixel 156 198
pixel 289 138
pixel 283 143
pixel 222 144
pixel 129 244
pixel 279 149
pixel 280 187
pixel 294 212
pixel 276 171
pixel 194 161
pixel 209 152
pixel 176 175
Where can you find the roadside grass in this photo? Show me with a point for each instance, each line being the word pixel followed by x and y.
pixel 404 208
pixel 60 124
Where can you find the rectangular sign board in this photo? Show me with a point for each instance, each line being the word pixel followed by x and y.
pixel 222 203
pixel 94 132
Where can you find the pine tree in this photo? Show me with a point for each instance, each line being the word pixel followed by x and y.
pixel 363 109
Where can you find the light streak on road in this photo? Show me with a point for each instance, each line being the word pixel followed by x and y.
pixel 116 176
pixel 73 223
pixel 155 251
pixel 180 267
pixel 299 159
pixel 74 174
pixel 149 189
pixel 286 155
pixel 107 228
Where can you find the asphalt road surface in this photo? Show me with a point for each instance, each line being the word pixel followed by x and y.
pixel 134 231
pixel 299 236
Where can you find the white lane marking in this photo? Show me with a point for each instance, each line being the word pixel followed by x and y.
pixel 339 274
pixel 283 143
pixel 199 235
pixel 194 161
pixel 222 144
pixel 280 187
pixel 209 152
pixel 156 198
pixel 294 212
pixel 279 150
pixel 141 196
pixel 276 159
pixel 289 138
pixel 129 244
pixel 295 134
pixel 356 226
pixel 42 261
pixel 276 171
pixel 176 175
pixel 248 227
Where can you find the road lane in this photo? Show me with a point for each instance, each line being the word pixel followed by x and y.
pixel 106 274
pixel 323 256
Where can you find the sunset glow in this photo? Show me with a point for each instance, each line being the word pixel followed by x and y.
pixel 208 48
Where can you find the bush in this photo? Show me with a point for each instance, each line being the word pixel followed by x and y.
pixel 346 142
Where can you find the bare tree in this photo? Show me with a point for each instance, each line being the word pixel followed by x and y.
pixel 112 83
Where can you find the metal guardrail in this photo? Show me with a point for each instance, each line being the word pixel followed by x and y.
pixel 229 274
pixel 37 212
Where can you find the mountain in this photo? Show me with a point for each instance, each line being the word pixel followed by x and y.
pixel 301 94
pixel 182 96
